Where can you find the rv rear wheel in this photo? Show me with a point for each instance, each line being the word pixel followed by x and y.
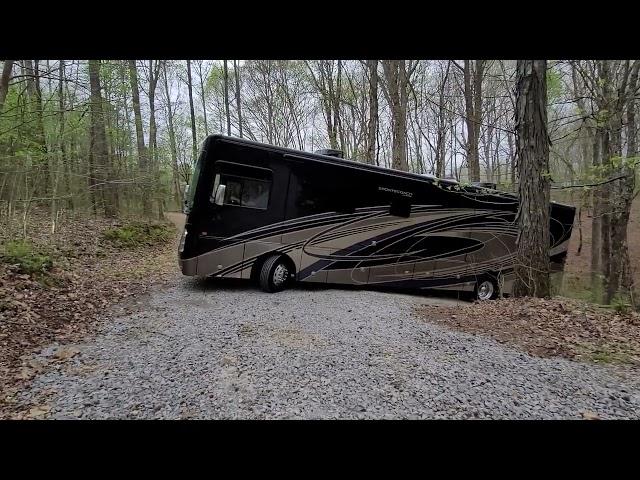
pixel 487 288
pixel 275 274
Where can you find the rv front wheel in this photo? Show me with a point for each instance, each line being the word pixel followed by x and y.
pixel 274 274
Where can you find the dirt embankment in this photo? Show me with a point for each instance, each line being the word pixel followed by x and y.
pixel 558 327
pixel 83 274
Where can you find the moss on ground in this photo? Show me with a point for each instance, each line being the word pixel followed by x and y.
pixel 28 258
pixel 138 234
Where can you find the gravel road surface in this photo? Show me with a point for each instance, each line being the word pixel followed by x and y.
pixel 220 350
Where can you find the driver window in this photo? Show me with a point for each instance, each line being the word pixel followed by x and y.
pixel 233 192
pixel 246 192
pixel 245 186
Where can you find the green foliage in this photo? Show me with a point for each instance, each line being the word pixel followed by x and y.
pixel 138 234
pixel 614 165
pixel 602 357
pixel 554 85
pixel 620 304
pixel 29 259
pixel 215 81
pixel 602 117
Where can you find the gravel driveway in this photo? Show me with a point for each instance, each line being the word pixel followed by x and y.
pixel 226 350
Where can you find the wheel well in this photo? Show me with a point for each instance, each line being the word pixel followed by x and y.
pixel 257 265
pixel 491 275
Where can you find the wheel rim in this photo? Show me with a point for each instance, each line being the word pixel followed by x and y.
pixel 485 290
pixel 280 275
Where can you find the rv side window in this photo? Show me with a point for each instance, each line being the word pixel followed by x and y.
pixel 317 192
pixel 246 192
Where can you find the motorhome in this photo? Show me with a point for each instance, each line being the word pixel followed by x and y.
pixel 278 216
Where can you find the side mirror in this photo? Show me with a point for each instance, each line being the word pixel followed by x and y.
pixel 185 200
pixel 219 199
pixel 217 193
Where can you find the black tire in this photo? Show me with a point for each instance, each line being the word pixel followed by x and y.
pixel 486 288
pixel 271 274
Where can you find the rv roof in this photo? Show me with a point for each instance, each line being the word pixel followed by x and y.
pixel 300 154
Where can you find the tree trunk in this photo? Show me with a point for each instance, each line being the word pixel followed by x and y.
pixel 61 150
pixel 477 112
pixel 532 263
pixel 324 85
pixel 192 112
pixel 61 139
pixel 35 108
pixel 473 113
pixel 396 92
pixel 372 127
pixel 337 96
pixel 441 138
pixel 512 161
pixel 236 72
pixel 4 81
pixel 172 140
pixel 143 159
pixel 596 217
pixel 204 105
pixel 605 217
pixel 154 75
pixel 226 97
pixel 99 140
pixel 622 194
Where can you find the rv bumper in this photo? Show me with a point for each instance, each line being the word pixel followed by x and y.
pixel 189 266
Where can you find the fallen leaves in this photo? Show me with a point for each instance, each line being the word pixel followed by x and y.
pixel 590 416
pixel 549 327
pixel 39 411
pixel 88 276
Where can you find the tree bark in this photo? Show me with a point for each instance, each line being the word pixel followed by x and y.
pixel 336 101
pixel 143 159
pixel 533 217
pixel 324 85
pixel 154 75
pixel 441 137
pixel 192 113
pixel 35 108
pixel 7 67
pixel 226 98
pixel 172 140
pixel 204 105
pixel 622 194
pixel 473 112
pixel 61 134
pixel 236 73
pixel 596 228
pixel 99 140
pixel 372 126
pixel 396 83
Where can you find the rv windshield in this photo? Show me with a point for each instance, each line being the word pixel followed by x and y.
pixel 191 192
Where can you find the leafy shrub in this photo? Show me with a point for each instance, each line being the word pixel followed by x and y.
pixel 620 304
pixel 29 259
pixel 139 234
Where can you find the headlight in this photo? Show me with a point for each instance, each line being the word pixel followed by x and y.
pixel 182 241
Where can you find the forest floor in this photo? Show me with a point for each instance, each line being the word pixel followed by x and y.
pixel 568 325
pixel 86 274
pixel 556 327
